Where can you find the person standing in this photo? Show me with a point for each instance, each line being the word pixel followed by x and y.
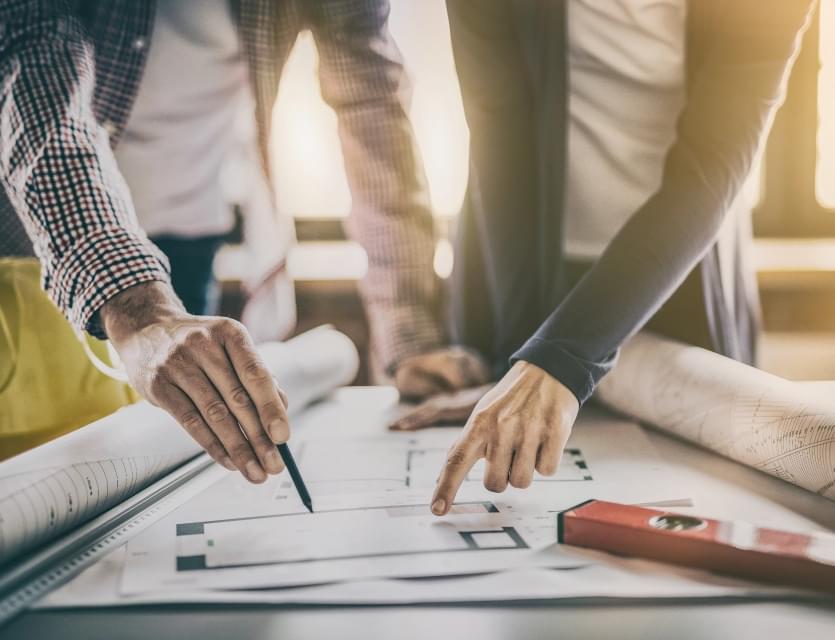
pixel 110 106
pixel 610 142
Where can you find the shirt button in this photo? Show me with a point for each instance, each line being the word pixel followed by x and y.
pixel 110 127
pixel 139 43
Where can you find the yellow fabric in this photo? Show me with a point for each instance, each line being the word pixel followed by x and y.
pixel 48 386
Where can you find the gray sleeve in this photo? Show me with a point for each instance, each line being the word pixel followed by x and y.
pixel 733 97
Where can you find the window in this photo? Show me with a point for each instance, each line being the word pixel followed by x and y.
pixel 794 186
pixel 310 178
pixel 825 171
pixel 798 200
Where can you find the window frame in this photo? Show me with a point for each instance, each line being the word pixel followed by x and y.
pixel 789 207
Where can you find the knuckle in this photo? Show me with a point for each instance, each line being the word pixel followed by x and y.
pixel 158 383
pixel 215 451
pixel 228 328
pixel 240 398
pixel 456 458
pixel 254 371
pixel 262 447
pixel 260 440
pixel 196 339
pixel 270 409
pixel 217 411
pixel 481 422
pixel 180 354
pixel 496 439
pixel 190 420
pixel 241 451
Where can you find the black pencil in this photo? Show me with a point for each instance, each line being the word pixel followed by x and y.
pixel 290 463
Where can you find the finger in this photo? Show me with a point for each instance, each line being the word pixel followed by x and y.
pixel 452 408
pixel 474 370
pixel 464 370
pixel 550 452
pixel 177 403
pixel 221 422
pixel 416 383
pixel 524 461
pixel 496 471
pixel 457 415
pixel 420 417
pixel 458 406
pixel 257 381
pixel 283 396
pixel 460 460
pixel 220 373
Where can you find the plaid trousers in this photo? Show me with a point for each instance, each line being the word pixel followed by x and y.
pixel 70 72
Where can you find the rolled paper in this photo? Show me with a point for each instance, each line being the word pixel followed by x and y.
pixel 311 365
pixel 780 427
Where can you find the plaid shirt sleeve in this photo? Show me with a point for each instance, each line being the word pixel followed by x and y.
pixel 57 167
pixel 363 80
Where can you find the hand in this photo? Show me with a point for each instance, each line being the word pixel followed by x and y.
pixel 440 371
pixel 205 372
pixel 444 408
pixel 520 425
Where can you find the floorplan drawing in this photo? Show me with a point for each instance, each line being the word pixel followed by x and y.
pixel 271 540
pixel 371 492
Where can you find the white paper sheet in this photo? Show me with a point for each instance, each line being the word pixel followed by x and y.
pixel 234 537
pixel 360 414
pixel 784 428
pixel 594 576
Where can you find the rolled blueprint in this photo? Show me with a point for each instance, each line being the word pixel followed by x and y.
pixel 311 365
pixel 66 482
pixel 784 428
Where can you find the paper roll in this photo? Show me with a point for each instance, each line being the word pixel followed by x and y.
pixel 784 428
pixel 311 365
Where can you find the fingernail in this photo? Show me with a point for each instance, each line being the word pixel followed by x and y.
pixel 254 471
pixel 278 431
pixel 227 462
pixel 274 462
pixel 438 507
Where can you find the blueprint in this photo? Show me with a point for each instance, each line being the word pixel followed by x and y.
pixel 372 518
pixel 200 536
pixel 784 428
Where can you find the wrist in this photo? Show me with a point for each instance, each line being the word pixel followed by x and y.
pixel 540 376
pixel 138 307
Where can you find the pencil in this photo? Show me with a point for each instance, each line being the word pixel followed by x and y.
pixel 290 463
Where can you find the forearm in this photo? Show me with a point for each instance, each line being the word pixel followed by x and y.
pixel 639 270
pixel 401 292
pixel 732 102
pixel 363 80
pixel 57 166
pixel 392 220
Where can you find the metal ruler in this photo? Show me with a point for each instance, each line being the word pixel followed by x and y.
pixel 25 582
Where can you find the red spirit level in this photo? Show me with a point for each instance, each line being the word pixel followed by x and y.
pixel 732 548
